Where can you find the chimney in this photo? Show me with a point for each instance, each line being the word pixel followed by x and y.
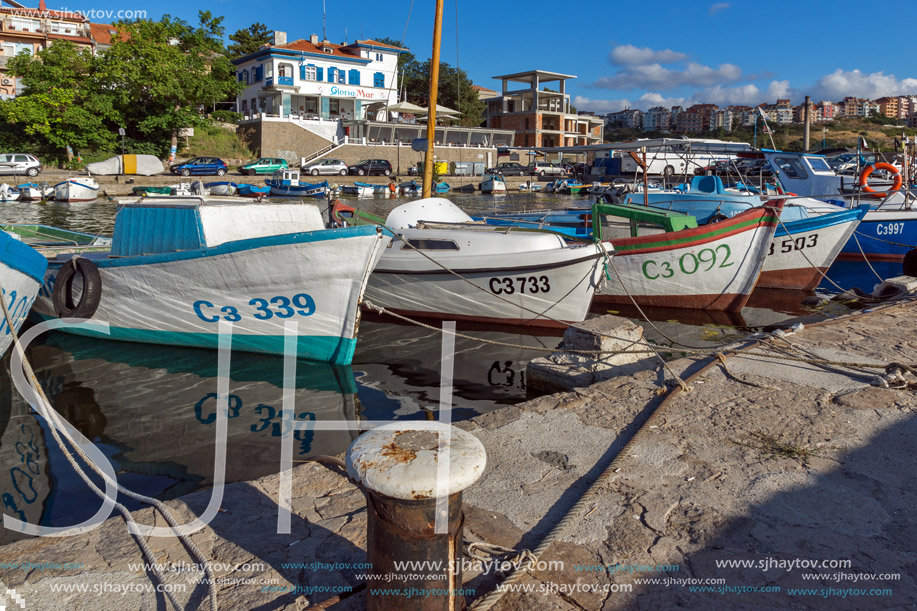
pixel 41 5
pixel 280 38
pixel 314 39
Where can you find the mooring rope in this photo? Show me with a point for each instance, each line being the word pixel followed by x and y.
pixel 56 427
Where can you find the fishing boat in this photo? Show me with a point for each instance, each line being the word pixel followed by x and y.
pixel 246 190
pixel 8 193
pixel 33 191
pixel 493 183
pixel 83 189
pixel 360 189
pixel 286 182
pixel 444 265
pixel 177 267
pixel 679 264
pixel 530 186
pixel 22 271
pixel 571 187
pixel 144 191
pixel 888 230
pixel 221 188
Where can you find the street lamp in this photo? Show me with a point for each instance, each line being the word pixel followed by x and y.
pixel 121 133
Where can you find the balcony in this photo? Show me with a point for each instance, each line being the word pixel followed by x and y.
pixel 280 83
pixel 285 80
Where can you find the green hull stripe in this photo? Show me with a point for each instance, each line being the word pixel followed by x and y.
pixel 729 229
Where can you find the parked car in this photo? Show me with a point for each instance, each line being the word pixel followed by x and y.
pixel 200 165
pixel 265 165
pixel 20 163
pixel 543 168
pixel 509 169
pixel 368 167
pixel 326 166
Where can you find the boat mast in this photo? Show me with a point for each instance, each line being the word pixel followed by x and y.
pixel 434 87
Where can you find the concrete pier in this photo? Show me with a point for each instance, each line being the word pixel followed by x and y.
pixel 766 485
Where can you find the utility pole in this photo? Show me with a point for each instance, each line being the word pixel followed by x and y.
pixel 807 125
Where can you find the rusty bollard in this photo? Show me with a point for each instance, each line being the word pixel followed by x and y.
pixel 413 566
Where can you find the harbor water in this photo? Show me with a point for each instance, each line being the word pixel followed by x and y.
pixel 152 409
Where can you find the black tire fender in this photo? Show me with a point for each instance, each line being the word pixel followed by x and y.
pixel 63 289
pixel 716 218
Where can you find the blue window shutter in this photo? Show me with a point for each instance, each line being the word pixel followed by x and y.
pixel 239 75
pixel 331 74
pixel 302 73
pixel 354 77
pixel 319 74
pixel 378 80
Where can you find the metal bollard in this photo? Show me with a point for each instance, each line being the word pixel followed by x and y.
pixel 397 464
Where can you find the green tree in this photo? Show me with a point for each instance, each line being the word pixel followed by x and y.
pixel 455 90
pixel 249 40
pixel 161 74
pixel 62 103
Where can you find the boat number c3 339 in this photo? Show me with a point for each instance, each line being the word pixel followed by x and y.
pixel 280 306
pixel 520 284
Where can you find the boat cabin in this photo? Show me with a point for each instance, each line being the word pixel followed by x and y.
pixel 286 178
pixel 806 175
pixel 165 225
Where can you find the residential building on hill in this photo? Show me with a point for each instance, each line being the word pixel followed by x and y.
pixel 629 118
pixel 657 119
pixel 541 117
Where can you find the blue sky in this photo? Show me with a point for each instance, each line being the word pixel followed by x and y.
pixel 635 54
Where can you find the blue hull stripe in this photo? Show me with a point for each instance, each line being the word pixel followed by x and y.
pixel 821 222
pixel 337 350
pixel 22 258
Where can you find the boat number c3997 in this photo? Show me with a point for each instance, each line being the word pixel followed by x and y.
pixel 520 284
pixel 689 263
pixel 280 306
pixel 889 228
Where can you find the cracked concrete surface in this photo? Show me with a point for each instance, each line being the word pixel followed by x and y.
pixel 762 464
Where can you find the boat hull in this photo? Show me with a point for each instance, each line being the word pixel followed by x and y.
pixel 21 271
pixel 883 235
pixel 565 281
pixel 179 298
pixel 802 251
pixel 712 267
pixel 75 191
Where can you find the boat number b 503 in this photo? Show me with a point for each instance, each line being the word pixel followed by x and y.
pixel 689 263
pixel 520 284
pixel 791 244
pixel 263 309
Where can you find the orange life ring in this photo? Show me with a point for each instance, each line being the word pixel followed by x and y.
pixel 868 170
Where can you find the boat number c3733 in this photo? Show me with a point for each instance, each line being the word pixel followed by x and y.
pixel 263 309
pixel 791 244
pixel 520 284
pixel 689 263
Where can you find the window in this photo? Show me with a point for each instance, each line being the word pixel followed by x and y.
pixel 378 80
pixel 341 77
pixel 378 57
pixel 427 244
pixel 818 164
pixel 269 69
pixel 244 106
pixel 20 159
pixel 309 73
pixel 790 167
pixel 282 71
pixel 24 25
pixel 243 76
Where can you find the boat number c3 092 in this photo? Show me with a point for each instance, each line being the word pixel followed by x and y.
pixel 791 244
pixel 263 309
pixel 689 263
pixel 520 284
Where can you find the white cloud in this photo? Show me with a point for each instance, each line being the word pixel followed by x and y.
pixel 719 6
pixel 654 76
pixel 652 98
pixel 747 94
pixel 778 89
pixel 842 83
pixel 629 55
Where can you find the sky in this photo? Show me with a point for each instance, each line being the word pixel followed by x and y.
pixel 624 55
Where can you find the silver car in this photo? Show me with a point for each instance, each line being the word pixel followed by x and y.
pixel 20 164
pixel 542 168
pixel 326 166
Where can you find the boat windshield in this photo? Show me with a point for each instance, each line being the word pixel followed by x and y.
pixel 818 164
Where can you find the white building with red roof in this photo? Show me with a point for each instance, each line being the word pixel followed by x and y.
pixel 318 80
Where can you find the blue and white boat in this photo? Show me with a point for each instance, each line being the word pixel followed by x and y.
pixel 286 182
pixel 889 229
pixel 493 183
pixel 360 189
pixel 177 267
pixel 83 189
pixel 33 191
pixel 8 193
pixel 22 270
pixel 246 190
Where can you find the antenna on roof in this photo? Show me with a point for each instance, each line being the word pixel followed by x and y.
pixel 324 15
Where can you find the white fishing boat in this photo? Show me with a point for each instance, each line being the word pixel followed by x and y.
pixel 221 188
pixel 33 191
pixel 514 277
pixel 493 183
pixel 8 193
pixel 22 270
pixel 83 189
pixel 177 267
pixel 360 189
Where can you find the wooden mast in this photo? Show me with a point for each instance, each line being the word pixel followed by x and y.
pixel 434 88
